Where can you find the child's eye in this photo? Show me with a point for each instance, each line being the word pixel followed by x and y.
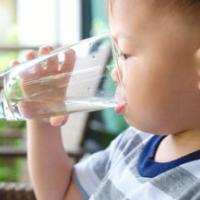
pixel 123 56
pixel 119 53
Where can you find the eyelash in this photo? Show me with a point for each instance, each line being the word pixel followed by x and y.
pixel 123 56
pixel 120 54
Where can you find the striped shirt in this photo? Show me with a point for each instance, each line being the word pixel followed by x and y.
pixel 112 174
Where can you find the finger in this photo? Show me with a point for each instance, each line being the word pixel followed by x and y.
pixel 52 65
pixel 31 72
pixel 58 120
pixel 45 50
pixel 38 70
pixel 14 63
pixel 31 54
pixel 70 57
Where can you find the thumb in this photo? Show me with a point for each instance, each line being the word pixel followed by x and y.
pixel 58 120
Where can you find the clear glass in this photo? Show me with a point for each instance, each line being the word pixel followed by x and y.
pixel 119 56
pixel 70 79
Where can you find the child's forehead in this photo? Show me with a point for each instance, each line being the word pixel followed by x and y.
pixel 156 6
pixel 132 12
pixel 141 12
pixel 132 3
pixel 130 8
pixel 184 13
pixel 138 20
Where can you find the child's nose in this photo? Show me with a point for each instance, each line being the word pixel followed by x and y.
pixel 115 74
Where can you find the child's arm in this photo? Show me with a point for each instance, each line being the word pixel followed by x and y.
pixel 50 167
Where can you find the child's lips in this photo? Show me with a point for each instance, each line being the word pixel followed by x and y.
pixel 120 107
pixel 122 102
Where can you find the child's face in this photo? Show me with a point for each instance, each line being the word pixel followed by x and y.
pixel 157 76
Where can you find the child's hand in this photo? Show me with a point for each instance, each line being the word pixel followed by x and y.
pixel 54 95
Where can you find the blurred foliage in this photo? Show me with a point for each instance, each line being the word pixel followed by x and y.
pixel 99 18
pixel 11 125
pixel 12 35
pixel 10 39
pixel 10 169
pixel 15 90
pixel 5 58
pixel 99 27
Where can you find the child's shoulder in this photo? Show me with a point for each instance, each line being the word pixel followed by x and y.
pixel 131 134
pixel 130 139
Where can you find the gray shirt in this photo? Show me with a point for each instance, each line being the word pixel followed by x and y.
pixel 112 174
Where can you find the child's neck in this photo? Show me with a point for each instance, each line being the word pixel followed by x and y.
pixel 178 145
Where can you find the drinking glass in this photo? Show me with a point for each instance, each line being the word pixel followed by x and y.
pixel 69 79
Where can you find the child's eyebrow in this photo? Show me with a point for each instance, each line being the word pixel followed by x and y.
pixel 126 39
pixel 122 35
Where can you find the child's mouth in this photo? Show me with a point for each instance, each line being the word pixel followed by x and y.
pixel 122 102
pixel 119 109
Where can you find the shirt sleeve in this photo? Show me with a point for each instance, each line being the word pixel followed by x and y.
pixel 88 173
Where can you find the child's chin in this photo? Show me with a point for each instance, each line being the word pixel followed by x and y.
pixel 143 126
